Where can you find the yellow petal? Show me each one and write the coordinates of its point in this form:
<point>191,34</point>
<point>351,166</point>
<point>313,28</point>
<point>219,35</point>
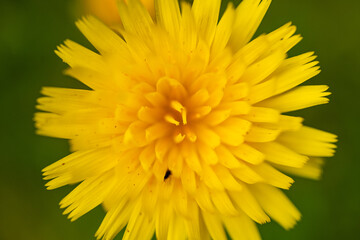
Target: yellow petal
<point>138,225</point>
<point>241,227</point>
<point>226,157</point>
<point>260,134</point>
<point>156,99</point>
<point>106,42</point>
<point>170,87</point>
<point>226,178</point>
<point>232,131</point>
<point>89,194</point>
<point>147,157</point>
<point>156,131</point>
<point>167,188</point>
<point>93,78</point>
<point>162,146</point>
<point>135,134</point>
<point>181,201</point>
<point>290,123</point>
<point>272,176</point>
<point>192,225</point>
<point>223,203</point>
<point>211,179</point>
<point>245,200</point>
<point>246,56</point>
<point>292,73</point>
<point>247,174</point>
<point>90,141</point>
<point>149,115</point>
<point>214,226</point>
<point>216,117</point>
<point>144,228</point>
<point>54,125</point>
<point>168,15</point>
<point>312,169</point>
<point>159,169</point>
<point>207,154</point>
<point>175,162</point>
<point>203,199</point>
<point>310,141</point>
<point>141,27</point>
<point>191,156</point>
<point>236,107</point>
<point>188,179</point>
<point>123,114</point>
<point>150,196</point>
<point>176,228</point>
<point>261,69</point>
<point>279,154</point>
<point>188,32</point>
<point>283,38</point>
<point>207,135</point>
<point>299,98</point>
<point>276,204</point>
<point>199,98</point>
<point>206,16</point>
<point>248,17</point>
<point>162,219</point>
<point>248,154</point>
<point>115,220</point>
<point>236,92</point>
<point>70,169</point>
<point>215,98</point>
<point>110,126</point>
<point>223,30</point>
<point>260,114</point>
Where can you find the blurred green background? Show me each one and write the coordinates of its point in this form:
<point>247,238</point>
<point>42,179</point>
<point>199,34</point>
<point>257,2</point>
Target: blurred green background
<point>30,31</point>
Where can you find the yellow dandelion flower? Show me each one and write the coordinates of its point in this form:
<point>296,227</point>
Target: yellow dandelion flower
<point>107,11</point>
<point>183,132</point>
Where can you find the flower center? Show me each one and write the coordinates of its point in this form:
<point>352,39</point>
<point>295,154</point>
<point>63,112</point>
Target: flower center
<point>177,116</point>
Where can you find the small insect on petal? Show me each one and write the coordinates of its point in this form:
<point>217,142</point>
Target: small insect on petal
<point>167,174</point>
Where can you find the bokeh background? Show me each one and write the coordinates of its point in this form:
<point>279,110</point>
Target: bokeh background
<point>30,31</point>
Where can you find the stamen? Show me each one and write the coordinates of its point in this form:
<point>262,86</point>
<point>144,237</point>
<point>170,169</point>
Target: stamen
<point>179,138</point>
<point>190,134</point>
<point>181,109</point>
<point>177,106</point>
<point>184,116</point>
<point>172,120</point>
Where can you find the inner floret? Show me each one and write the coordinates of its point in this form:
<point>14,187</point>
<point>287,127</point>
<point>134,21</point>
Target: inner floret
<point>177,115</point>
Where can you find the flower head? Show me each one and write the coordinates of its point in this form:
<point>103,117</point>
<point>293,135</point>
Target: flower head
<point>182,132</point>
